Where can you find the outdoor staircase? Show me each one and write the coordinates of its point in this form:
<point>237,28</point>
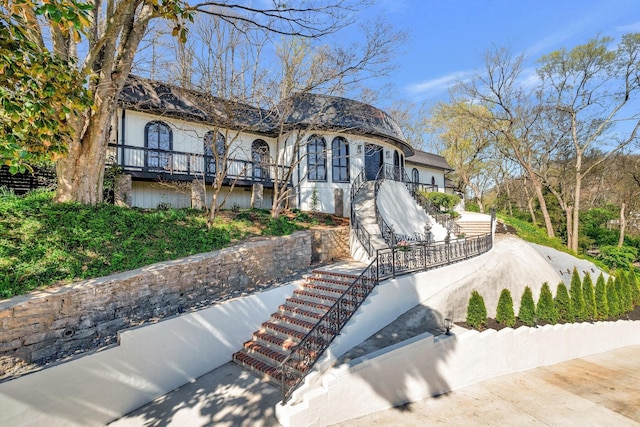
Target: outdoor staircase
<point>364,205</point>
<point>472,225</point>
<point>270,345</point>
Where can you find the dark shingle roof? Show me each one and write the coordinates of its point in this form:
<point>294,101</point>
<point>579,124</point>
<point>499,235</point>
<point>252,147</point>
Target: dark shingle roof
<point>166,100</point>
<point>310,111</point>
<point>324,112</point>
<point>423,158</point>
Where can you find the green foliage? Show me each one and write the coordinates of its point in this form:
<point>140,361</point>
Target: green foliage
<point>624,292</point>
<point>315,199</point>
<point>546,308</point>
<point>527,312</point>
<point>602,304</point>
<point>39,91</point>
<point>563,304</point>
<point>504,311</point>
<point>476,311</point>
<point>619,257</point>
<point>443,200</point>
<point>589,295</point>
<point>613,299</point>
<point>635,287</point>
<point>533,234</point>
<point>577,298</point>
<point>281,226</point>
<point>43,243</point>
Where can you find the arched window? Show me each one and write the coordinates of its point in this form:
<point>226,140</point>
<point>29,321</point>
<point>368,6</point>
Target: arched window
<point>260,157</point>
<point>316,158</point>
<point>210,160</point>
<point>340,159</point>
<point>158,140</point>
<point>415,176</point>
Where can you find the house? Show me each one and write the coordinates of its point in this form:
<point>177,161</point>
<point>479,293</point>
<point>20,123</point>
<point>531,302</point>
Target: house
<point>168,141</point>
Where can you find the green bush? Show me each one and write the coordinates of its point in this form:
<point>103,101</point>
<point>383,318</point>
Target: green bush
<point>613,299</point>
<point>476,311</point>
<point>602,304</point>
<point>635,287</point>
<point>527,312</point>
<point>576,297</point>
<point>504,311</point>
<point>589,297</point>
<point>443,200</point>
<point>619,257</point>
<point>546,308</point>
<point>563,304</point>
<point>626,295</point>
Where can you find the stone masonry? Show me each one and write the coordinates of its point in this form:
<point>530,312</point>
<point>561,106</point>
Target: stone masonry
<point>48,325</point>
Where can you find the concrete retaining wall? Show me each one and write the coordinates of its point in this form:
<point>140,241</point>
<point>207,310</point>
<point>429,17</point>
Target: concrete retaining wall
<point>58,322</point>
<point>426,366</point>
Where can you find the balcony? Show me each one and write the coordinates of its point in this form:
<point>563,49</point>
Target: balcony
<point>169,165</point>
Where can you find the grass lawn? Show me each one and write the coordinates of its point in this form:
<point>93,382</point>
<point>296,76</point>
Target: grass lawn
<point>45,244</point>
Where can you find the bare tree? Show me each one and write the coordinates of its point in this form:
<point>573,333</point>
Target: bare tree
<point>590,86</point>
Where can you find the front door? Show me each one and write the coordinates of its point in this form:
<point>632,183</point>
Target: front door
<point>372,160</point>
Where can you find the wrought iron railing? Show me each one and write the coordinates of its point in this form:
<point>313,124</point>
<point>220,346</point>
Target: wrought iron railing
<point>361,233</point>
<point>178,163</point>
<point>391,262</point>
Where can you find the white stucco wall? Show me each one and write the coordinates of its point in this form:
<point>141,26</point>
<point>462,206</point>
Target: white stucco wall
<point>426,173</point>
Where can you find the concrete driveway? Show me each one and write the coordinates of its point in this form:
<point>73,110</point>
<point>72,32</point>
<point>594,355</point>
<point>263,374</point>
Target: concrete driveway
<point>599,390</point>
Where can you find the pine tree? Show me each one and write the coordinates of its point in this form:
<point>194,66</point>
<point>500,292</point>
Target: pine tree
<point>546,308</point>
<point>613,298</point>
<point>602,306</point>
<point>504,311</point>
<point>563,304</point>
<point>577,298</point>
<point>589,297</point>
<point>527,312</point>
<point>635,287</point>
<point>476,311</point>
<point>626,297</point>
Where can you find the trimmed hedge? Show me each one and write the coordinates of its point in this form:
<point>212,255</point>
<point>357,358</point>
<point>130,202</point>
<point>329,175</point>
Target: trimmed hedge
<point>527,312</point>
<point>563,304</point>
<point>476,311</point>
<point>504,311</point>
<point>546,308</point>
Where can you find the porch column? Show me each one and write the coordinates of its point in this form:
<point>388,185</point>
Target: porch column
<point>338,201</point>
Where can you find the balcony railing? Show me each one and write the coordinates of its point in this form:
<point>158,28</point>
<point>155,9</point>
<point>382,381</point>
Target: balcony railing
<point>184,165</point>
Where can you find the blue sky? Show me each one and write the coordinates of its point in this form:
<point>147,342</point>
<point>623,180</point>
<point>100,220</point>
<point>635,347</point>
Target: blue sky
<point>447,38</point>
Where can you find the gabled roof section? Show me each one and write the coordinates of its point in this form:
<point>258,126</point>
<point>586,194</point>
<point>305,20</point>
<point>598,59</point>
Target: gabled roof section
<point>163,99</point>
<point>324,112</point>
<point>422,158</point>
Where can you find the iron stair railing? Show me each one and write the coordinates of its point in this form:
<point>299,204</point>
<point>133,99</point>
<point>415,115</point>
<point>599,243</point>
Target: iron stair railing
<point>390,262</point>
<point>361,233</point>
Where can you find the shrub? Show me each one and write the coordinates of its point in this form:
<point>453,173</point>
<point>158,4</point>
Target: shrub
<point>626,297</point>
<point>618,257</point>
<point>613,298</point>
<point>602,305</point>
<point>563,304</point>
<point>577,298</point>
<point>443,200</point>
<point>589,297</point>
<point>527,312</point>
<point>504,312</point>
<point>635,287</point>
<point>476,311</point>
<point>546,308</point>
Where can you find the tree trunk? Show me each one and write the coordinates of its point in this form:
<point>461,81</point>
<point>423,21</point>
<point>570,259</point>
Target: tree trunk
<point>623,225</point>
<point>543,207</point>
<point>568,212</point>
<point>576,213</point>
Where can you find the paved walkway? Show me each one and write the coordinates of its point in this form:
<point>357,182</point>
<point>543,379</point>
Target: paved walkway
<point>599,390</point>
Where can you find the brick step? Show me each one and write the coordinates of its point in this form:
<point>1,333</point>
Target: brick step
<point>293,322</point>
<point>325,281</point>
<point>320,298</point>
<point>297,311</point>
<point>330,289</point>
<point>283,331</point>
<point>259,367</point>
<point>308,305</point>
<point>273,341</point>
<point>335,275</point>
<point>261,352</point>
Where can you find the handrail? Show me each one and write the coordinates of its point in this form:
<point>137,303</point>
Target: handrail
<point>391,262</point>
<point>362,234</point>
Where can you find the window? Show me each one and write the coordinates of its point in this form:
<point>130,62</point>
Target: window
<point>340,159</point>
<point>210,159</point>
<point>158,140</point>
<point>316,158</point>
<point>260,157</point>
<point>415,176</point>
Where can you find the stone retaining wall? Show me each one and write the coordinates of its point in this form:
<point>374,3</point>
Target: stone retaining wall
<point>48,325</point>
